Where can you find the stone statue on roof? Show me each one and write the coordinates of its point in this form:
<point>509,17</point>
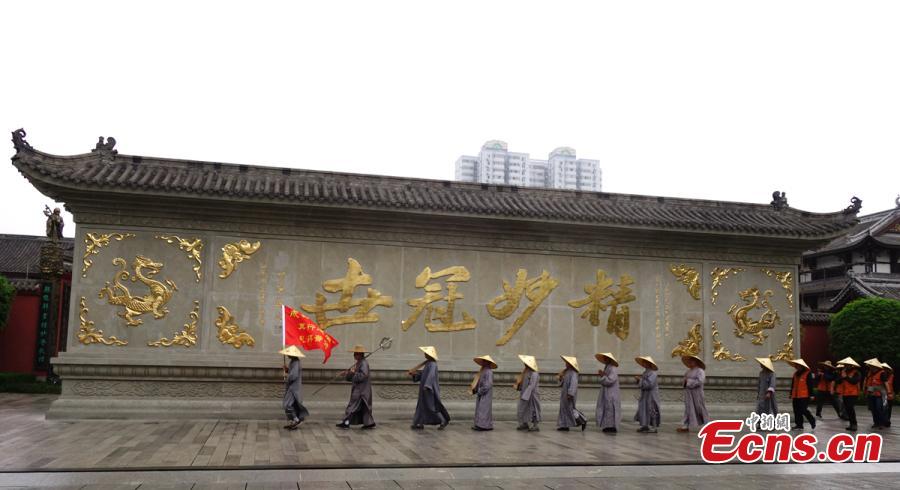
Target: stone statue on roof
<point>55,223</point>
<point>779,200</point>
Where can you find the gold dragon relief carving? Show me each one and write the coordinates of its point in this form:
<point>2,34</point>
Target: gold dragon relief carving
<point>94,242</point>
<point>153,302</point>
<point>87,334</point>
<point>744,324</point>
<point>689,276</point>
<point>690,345</point>
<point>229,332</point>
<point>718,276</point>
<point>194,249</point>
<point>787,349</point>
<point>187,337</point>
<point>235,253</point>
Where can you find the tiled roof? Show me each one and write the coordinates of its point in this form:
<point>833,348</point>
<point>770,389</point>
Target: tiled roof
<point>104,170</point>
<point>870,227</point>
<point>868,286</point>
<point>21,254</point>
<point>815,317</point>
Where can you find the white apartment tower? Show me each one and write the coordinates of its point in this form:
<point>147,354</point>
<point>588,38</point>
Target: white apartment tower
<point>495,164</point>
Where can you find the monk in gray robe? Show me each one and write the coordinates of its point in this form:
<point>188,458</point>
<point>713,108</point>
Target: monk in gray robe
<point>569,416</point>
<point>359,410</point>
<point>429,409</point>
<point>293,386</point>
<point>483,388</point>
<point>528,411</point>
<point>765,388</point>
<point>695,414</point>
<point>609,406</point>
<point>648,415</point>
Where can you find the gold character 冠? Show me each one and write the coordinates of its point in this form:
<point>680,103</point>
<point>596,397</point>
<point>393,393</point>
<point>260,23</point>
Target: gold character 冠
<point>688,276</point>
<point>354,278</point>
<point>229,332</point>
<point>87,334</point>
<point>787,283</point>
<point>186,337</point>
<point>720,353</point>
<point>439,318</point>
<point>690,346</point>
<point>153,302</point>
<point>718,275</point>
<point>601,296</point>
<point>233,253</point>
<point>536,290</point>
<point>93,242</point>
<point>786,352</point>
<point>193,248</point>
<point>741,316</point>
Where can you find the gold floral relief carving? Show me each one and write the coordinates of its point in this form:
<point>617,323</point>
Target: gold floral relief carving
<point>188,336</point>
<point>234,253</point>
<point>688,276</point>
<point>93,242</point>
<point>690,346</point>
<point>193,248</point>
<point>787,283</point>
<point>229,332</point>
<point>153,302</point>
<point>744,324</point>
<point>787,349</point>
<point>720,353</point>
<point>87,334</point>
<point>718,275</point>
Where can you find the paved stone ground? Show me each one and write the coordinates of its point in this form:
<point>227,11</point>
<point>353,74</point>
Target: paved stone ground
<point>28,442</point>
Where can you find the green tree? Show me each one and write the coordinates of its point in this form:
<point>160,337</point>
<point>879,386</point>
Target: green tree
<point>866,328</point>
<point>7,291</point>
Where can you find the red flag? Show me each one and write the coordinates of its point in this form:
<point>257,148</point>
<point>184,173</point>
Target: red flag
<point>299,329</point>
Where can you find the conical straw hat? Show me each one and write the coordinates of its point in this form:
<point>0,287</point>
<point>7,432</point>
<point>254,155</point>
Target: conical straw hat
<point>699,361</point>
<point>766,363</point>
<point>827,364</point>
<point>607,358</point>
<point>848,361</point>
<point>481,360</point>
<point>798,363</point>
<point>647,362</point>
<point>887,366</point>
<point>292,351</point>
<point>358,348</point>
<point>572,361</point>
<point>874,362</point>
<point>429,351</point>
<point>529,361</point>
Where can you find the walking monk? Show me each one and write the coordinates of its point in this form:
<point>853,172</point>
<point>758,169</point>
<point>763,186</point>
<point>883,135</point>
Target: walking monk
<point>695,414</point>
<point>483,388</point>
<point>429,409</point>
<point>648,415</point>
<point>609,406</point>
<point>293,386</point>
<point>528,411</point>
<point>765,388</point>
<point>359,410</point>
<point>569,416</point>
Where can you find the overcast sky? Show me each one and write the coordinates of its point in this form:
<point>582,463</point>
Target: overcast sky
<point>704,99</point>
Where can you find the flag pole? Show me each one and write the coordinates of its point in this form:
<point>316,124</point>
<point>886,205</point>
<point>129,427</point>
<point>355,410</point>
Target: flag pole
<point>283,357</point>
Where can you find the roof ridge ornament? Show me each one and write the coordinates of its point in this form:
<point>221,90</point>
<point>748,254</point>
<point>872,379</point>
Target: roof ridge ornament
<point>854,207</point>
<point>18,139</point>
<point>897,201</point>
<point>106,146</point>
<point>779,200</point>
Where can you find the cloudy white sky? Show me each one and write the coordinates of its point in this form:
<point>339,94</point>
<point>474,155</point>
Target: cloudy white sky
<point>707,99</point>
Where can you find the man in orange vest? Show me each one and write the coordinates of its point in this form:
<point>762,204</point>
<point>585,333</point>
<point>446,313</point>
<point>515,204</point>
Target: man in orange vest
<point>848,380</point>
<point>876,393</point>
<point>889,384</point>
<point>825,387</point>
<point>801,393</point>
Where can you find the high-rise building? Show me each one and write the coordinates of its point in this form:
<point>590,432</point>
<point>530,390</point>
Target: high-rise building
<point>495,164</point>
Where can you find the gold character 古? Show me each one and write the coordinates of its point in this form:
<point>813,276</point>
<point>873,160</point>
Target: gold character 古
<point>601,296</point>
<point>354,278</point>
<point>439,318</point>
<point>536,290</point>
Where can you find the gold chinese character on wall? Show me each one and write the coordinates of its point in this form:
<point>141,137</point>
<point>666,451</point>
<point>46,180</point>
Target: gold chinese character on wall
<point>601,296</point>
<point>535,289</point>
<point>439,318</point>
<point>354,278</point>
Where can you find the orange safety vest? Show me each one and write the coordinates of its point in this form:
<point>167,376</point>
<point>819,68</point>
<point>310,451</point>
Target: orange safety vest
<point>872,378</point>
<point>822,387</point>
<point>847,388</point>
<point>889,384</point>
<point>799,388</point>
